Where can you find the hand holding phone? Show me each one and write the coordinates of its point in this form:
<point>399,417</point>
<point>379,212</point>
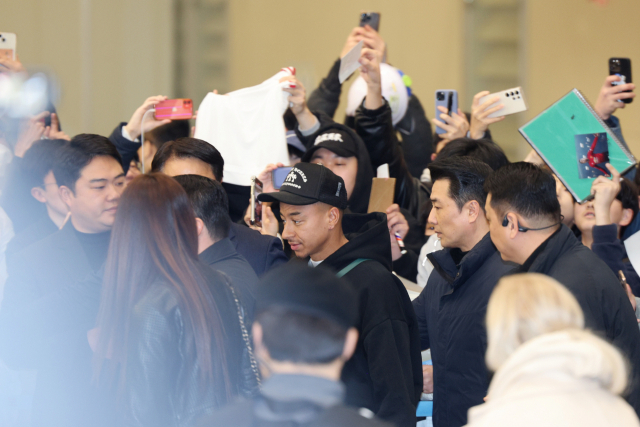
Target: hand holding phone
<point>256,205</point>
<point>8,46</point>
<point>279,175</point>
<point>611,96</point>
<point>447,104</point>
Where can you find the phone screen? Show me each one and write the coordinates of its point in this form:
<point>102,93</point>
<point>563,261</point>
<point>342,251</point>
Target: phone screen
<point>174,109</point>
<point>279,175</point>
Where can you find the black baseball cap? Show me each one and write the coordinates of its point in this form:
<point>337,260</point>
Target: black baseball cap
<point>336,138</point>
<point>306,290</point>
<point>309,183</point>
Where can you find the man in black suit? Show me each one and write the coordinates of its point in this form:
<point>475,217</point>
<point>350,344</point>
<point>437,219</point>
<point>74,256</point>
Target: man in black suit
<point>211,207</point>
<point>91,180</point>
<point>191,156</point>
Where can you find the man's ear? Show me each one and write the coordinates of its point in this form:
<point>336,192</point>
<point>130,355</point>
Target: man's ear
<point>333,217</point>
<point>200,226</point>
<point>627,217</point>
<point>350,343</point>
<point>66,195</point>
<point>38,194</point>
<point>473,208</point>
<point>512,226</point>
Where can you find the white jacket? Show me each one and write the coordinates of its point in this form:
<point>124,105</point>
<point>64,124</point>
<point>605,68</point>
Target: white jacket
<point>558,379</point>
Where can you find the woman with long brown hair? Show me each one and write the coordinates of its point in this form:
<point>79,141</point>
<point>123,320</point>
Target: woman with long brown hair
<point>167,328</point>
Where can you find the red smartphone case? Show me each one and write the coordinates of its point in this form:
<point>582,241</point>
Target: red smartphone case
<point>174,109</point>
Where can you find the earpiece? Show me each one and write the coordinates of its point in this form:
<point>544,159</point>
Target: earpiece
<point>505,221</point>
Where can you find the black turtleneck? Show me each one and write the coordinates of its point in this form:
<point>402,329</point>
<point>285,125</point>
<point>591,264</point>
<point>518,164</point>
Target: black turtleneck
<point>95,246</point>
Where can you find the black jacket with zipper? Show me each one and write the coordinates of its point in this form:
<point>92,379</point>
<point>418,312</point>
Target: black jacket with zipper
<point>451,310</point>
<point>385,373</point>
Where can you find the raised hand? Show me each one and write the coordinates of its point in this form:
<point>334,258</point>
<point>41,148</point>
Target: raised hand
<point>610,95</point>
<point>605,192</point>
<point>479,114</point>
<point>455,125</point>
<point>135,125</point>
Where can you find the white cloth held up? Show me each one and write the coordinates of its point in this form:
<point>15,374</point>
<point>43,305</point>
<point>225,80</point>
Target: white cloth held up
<point>246,126</point>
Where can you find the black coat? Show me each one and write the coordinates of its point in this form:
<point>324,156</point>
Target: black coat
<point>604,302</point>
<point>261,252</point>
<point>63,394</point>
<point>385,373</point>
<point>222,257</point>
<point>30,235</point>
<point>451,313</point>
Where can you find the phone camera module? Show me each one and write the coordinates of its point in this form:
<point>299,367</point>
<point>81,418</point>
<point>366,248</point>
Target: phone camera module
<point>506,94</point>
<point>440,96</point>
<point>517,93</point>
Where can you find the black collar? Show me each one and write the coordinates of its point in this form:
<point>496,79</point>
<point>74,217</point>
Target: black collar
<point>217,252</point>
<point>532,258</point>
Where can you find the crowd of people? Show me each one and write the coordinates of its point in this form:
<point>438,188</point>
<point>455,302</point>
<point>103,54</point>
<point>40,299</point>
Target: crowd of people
<point>149,298</point>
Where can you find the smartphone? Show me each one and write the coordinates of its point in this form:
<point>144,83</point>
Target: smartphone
<point>371,19</point>
<point>174,109</point>
<point>621,67</point>
<point>256,205</point>
<point>512,99</point>
<point>279,175</point>
<point>8,45</point>
<point>447,98</point>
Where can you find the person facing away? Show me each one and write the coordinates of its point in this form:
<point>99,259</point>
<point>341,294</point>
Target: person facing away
<point>451,307</point>
<point>38,180</point>
<point>168,337</point>
<point>549,370</point>
<point>384,373</point>
<point>211,206</point>
<point>191,156</point>
<point>526,227</point>
<point>304,333</point>
<point>91,180</point>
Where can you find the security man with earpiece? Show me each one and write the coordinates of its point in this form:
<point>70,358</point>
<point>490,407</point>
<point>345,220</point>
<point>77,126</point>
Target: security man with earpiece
<point>452,306</point>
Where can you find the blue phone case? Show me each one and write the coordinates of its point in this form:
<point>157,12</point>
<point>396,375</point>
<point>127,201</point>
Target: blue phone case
<point>450,102</point>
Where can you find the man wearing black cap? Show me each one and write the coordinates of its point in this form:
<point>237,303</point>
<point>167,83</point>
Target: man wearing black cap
<point>303,335</point>
<point>384,374</point>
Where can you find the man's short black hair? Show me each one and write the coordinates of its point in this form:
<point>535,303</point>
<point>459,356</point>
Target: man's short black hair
<point>300,338</point>
<point>210,203</point>
<point>38,161</point>
<point>78,153</point>
<point>525,188</point>
<point>169,132</point>
<point>628,196</point>
<point>484,150</point>
<point>466,178</point>
<point>190,148</point>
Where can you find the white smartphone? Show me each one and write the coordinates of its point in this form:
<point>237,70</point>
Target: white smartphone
<point>8,45</point>
<point>512,99</point>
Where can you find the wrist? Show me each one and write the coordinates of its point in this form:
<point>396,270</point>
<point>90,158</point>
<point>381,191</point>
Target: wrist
<point>603,114</point>
<point>476,133</point>
<point>602,216</point>
<point>373,100</point>
<point>306,119</point>
<point>133,133</point>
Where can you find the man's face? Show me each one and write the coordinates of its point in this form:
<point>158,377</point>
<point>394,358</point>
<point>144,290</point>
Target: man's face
<point>345,167</point>
<point>450,223</point>
<point>94,202</point>
<point>51,195</point>
<point>585,215</point>
<point>305,227</point>
<point>176,166</point>
<point>499,234</point>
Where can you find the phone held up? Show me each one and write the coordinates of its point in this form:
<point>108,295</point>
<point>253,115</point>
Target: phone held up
<point>447,98</point>
<point>621,67</point>
<point>8,46</point>
<point>174,109</point>
<point>511,99</point>
<point>371,19</point>
<point>256,205</point>
<point>279,175</point>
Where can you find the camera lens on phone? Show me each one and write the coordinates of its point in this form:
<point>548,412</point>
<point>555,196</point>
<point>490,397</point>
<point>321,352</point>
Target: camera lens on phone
<point>440,96</point>
<point>506,94</point>
<point>517,93</point>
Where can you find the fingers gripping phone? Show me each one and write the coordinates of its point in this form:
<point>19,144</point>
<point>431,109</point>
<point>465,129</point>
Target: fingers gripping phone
<point>174,109</point>
<point>511,99</point>
<point>256,205</point>
<point>8,46</point>
<point>447,98</point>
<point>371,19</point>
<point>279,175</point>
<point>621,67</point>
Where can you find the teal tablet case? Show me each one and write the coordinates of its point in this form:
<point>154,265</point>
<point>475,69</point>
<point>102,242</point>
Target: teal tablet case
<point>566,132</point>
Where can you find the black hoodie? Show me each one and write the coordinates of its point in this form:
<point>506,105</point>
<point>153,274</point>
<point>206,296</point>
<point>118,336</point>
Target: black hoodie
<point>385,372</point>
<point>359,199</point>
